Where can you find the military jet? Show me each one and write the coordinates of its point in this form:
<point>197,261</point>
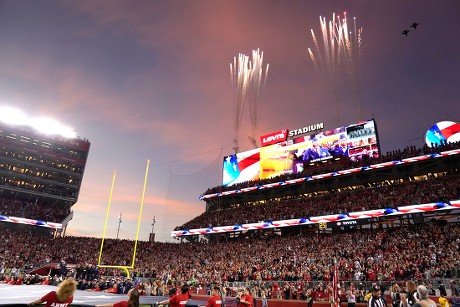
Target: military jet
<point>405,32</point>
<point>414,25</point>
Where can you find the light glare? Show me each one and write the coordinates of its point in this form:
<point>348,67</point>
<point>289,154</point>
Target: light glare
<point>46,125</point>
<point>12,116</point>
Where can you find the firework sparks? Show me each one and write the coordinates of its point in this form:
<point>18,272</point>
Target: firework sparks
<point>341,51</point>
<point>240,74</point>
<point>248,81</point>
<point>257,82</point>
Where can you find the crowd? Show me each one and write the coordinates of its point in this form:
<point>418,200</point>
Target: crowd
<point>48,212</point>
<point>294,266</point>
<point>345,200</point>
<point>365,255</point>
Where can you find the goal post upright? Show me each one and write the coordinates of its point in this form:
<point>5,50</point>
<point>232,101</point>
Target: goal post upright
<point>140,212</point>
<point>107,216</point>
<point>124,267</point>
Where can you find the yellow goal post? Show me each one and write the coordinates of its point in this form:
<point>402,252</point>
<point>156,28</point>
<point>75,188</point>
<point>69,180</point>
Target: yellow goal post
<point>123,267</point>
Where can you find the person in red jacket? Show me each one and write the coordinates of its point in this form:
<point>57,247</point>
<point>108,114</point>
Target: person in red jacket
<point>133,300</point>
<point>246,299</point>
<point>215,300</point>
<point>63,296</point>
<point>178,300</point>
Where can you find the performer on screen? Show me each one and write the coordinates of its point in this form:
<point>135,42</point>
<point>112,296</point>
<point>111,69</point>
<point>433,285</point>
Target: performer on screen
<point>340,148</point>
<point>315,151</point>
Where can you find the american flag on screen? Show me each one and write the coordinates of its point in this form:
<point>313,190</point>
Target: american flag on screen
<point>241,167</point>
<point>443,131</point>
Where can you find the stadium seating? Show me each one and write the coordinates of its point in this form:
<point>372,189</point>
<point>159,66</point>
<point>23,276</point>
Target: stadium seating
<point>427,252</point>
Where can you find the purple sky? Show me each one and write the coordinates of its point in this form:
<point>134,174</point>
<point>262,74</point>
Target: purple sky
<point>150,80</point>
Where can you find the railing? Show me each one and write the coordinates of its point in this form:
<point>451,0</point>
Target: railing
<point>365,286</point>
<point>432,284</point>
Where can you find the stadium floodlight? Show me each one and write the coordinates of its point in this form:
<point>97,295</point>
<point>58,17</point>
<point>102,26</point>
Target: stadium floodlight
<point>46,125</point>
<point>12,116</point>
<point>68,132</point>
<point>51,126</point>
<point>43,125</point>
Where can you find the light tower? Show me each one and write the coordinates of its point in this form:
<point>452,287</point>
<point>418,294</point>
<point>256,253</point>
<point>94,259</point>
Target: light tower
<point>152,234</point>
<point>119,223</point>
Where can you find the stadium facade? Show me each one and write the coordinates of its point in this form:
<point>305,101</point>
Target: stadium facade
<point>40,176</point>
<point>362,166</point>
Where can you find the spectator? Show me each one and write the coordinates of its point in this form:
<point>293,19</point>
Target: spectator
<point>443,302</point>
<point>424,301</point>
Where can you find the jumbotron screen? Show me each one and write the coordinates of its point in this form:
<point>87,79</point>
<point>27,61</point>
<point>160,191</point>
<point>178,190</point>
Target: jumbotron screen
<point>355,142</point>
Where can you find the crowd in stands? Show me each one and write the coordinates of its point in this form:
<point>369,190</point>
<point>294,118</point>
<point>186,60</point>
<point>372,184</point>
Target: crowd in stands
<point>48,212</point>
<point>334,202</point>
<point>372,255</point>
<point>292,263</point>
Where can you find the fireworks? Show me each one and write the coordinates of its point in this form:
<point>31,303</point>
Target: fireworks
<point>248,80</point>
<point>341,51</point>
<point>257,83</point>
<point>240,73</point>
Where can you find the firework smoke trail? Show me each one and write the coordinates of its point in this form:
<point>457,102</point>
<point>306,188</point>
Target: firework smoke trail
<point>329,52</point>
<point>351,57</point>
<point>257,82</point>
<point>341,51</point>
<point>240,74</point>
<point>357,51</point>
<point>317,47</point>
<point>313,59</point>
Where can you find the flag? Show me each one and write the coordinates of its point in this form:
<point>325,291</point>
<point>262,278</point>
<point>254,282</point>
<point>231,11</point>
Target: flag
<point>335,284</point>
<point>445,131</point>
<point>241,167</point>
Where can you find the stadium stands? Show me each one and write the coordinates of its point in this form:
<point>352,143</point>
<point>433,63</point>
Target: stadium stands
<point>386,195</point>
<point>425,250</point>
<point>372,255</point>
<point>46,211</point>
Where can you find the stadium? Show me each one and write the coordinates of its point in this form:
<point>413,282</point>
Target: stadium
<point>289,227</point>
